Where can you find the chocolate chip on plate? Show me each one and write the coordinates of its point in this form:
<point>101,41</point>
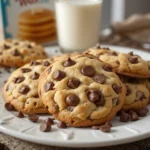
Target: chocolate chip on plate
<point>24,89</point>
<point>35,76</point>
<point>72,100</point>
<point>133,115</point>
<point>117,88</point>
<point>73,83</point>
<point>88,71</point>
<point>100,78</point>
<point>105,128</point>
<point>9,107</point>
<point>46,63</point>
<point>59,75</point>
<point>140,96</point>
<point>19,79</point>
<point>15,53</point>
<point>44,127</point>
<point>20,114</point>
<point>98,46</point>
<point>107,68</point>
<point>108,123</point>
<point>96,127</point>
<point>69,62</point>
<point>49,121</point>
<point>49,86</point>
<point>133,60</point>
<point>124,117</point>
<point>33,117</point>
<point>61,125</point>
<point>142,112</point>
<point>25,70</point>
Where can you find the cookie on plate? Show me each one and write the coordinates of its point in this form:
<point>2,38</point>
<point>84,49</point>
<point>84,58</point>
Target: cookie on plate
<point>21,89</point>
<point>16,53</point>
<point>137,94</point>
<point>126,64</point>
<point>81,91</point>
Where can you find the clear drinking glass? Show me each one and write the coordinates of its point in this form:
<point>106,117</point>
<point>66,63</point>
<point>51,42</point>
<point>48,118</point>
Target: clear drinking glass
<point>78,23</point>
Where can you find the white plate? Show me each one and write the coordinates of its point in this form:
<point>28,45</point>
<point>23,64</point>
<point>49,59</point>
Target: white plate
<point>74,137</point>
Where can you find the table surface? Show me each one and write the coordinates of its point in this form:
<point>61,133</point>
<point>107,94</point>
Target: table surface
<point>16,144</point>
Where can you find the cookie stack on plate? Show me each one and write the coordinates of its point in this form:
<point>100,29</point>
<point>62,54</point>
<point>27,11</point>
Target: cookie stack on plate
<point>37,25</point>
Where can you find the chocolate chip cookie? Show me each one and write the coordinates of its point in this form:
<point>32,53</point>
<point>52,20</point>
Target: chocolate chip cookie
<point>126,64</point>
<point>137,93</point>
<point>21,89</point>
<point>81,91</point>
<point>16,53</point>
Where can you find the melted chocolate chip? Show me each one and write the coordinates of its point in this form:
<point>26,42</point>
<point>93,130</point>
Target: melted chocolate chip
<point>35,76</point>
<point>33,117</point>
<point>20,115</point>
<point>73,83</point>
<point>140,96</point>
<point>46,63</point>
<point>88,71</point>
<point>117,88</point>
<point>61,125</point>
<point>100,78</point>
<point>107,68</point>
<point>24,89</point>
<point>25,70</point>
<point>128,92</point>
<point>133,60</point>
<point>133,115</point>
<point>34,63</point>
<point>19,79</point>
<point>72,100</point>
<point>124,117</point>
<point>69,62</point>
<point>44,127</point>
<point>5,47</point>
<point>49,121</point>
<point>105,128</point>
<point>59,75</point>
<point>49,86</point>
<point>15,53</point>
<point>9,107</point>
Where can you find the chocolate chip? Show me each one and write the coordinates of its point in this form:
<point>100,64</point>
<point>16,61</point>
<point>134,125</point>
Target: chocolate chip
<point>70,108</point>
<point>15,53</point>
<point>69,62</point>
<point>34,63</point>
<point>117,62</point>
<point>5,47</point>
<point>124,117</point>
<point>117,88</point>
<point>35,76</point>
<point>105,128</point>
<point>106,48</point>
<point>20,115</point>
<point>96,127</point>
<point>98,46</point>
<point>9,107</point>
<point>108,123</point>
<point>36,96</point>
<point>133,60</point>
<point>73,83</point>
<point>19,79</point>
<point>93,95</point>
<point>107,68</point>
<point>25,70</point>
<point>101,101</point>
<point>24,89</point>
<point>72,100</point>
<point>128,92</point>
<point>46,63</point>
<point>33,117</point>
<point>115,101</point>
<point>29,46</point>
<point>59,75</point>
<point>49,86</point>
<point>146,109</point>
<point>49,121</point>
<point>113,54</point>
<point>131,54</point>
<point>44,127</point>
<point>62,125</point>
<point>88,71</point>
<point>133,115</point>
<point>142,112</point>
<point>100,78</point>
<point>140,96</point>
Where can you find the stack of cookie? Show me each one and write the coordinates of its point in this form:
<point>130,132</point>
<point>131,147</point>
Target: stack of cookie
<point>37,25</point>
<point>80,90</point>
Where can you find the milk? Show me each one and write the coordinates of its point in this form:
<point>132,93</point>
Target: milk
<point>78,23</point>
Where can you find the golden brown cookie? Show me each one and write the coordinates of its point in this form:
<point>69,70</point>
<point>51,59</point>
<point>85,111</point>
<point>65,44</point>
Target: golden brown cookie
<point>16,53</point>
<point>81,91</point>
<point>126,64</point>
<point>21,89</point>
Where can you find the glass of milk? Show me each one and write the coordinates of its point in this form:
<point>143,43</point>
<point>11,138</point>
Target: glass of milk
<point>78,23</point>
